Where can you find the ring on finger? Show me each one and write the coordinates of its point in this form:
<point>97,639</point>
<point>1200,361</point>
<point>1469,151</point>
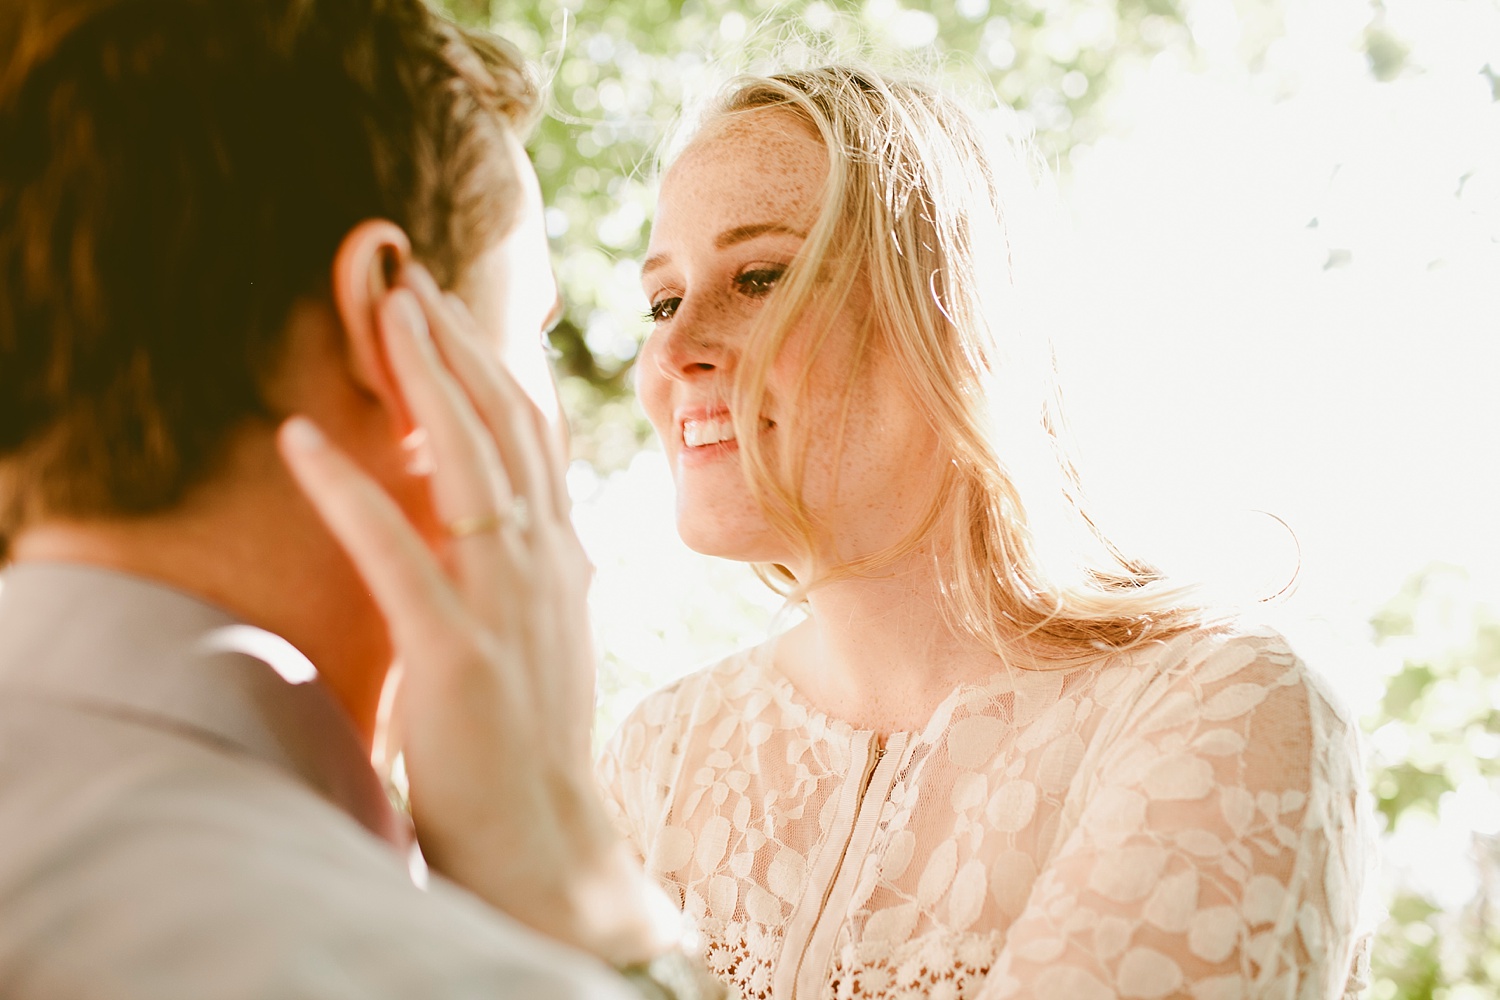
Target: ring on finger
<point>519,516</point>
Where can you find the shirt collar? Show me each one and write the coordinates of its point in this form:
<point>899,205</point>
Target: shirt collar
<point>110,642</point>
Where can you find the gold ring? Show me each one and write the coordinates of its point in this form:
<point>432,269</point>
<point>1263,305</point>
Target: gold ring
<point>476,524</point>
<point>479,524</point>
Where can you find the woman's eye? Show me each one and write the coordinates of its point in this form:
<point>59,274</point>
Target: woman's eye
<point>758,281</point>
<point>662,309</point>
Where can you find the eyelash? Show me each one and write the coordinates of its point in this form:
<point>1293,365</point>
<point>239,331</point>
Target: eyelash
<point>760,279</point>
<point>659,311</point>
<point>755,283</point>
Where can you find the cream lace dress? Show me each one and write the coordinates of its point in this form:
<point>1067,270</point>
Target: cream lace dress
<point>1179,820</point>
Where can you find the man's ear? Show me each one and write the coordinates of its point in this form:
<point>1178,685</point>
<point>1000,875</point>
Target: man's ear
<point>365,267</point>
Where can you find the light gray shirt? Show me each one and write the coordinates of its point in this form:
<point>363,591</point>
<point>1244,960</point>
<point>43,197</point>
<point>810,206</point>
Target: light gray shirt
<point>186,813</point>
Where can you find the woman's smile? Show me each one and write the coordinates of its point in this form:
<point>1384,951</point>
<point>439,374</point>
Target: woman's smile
<point>707,436</point>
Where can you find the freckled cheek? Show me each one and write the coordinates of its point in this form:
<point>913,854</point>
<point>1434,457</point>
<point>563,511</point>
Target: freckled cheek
<point>828,380</point>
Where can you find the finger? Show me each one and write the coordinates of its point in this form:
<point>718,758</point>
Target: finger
<point>469,481</point>
<point>418,603</point>
<point>522,430</point>
<point>499,401</point>
<point>502,405</point>
<point>552,434</point>
<point>468,475</point>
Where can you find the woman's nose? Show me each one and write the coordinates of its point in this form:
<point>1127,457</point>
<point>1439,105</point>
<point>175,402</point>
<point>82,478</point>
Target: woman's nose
<point>692,346</point>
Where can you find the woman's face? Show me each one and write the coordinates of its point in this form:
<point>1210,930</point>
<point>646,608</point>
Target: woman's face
<point>734,210</point>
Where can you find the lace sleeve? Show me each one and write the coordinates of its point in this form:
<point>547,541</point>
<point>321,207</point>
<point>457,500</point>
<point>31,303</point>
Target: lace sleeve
<point>1217,852</point>
<point>613,772</point>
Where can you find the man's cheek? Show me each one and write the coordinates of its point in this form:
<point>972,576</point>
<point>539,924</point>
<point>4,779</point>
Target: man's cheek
<point>526,359</point>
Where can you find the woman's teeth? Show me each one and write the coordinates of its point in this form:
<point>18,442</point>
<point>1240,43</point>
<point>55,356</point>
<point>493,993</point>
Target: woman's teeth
<point>699,433</point>
<point>715,430</point>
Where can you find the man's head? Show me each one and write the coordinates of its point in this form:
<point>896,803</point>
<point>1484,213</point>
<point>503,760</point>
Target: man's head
<point>176,176</point>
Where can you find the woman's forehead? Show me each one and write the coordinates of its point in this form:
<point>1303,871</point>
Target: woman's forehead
<point>763,162</point>
<point>764,127</point>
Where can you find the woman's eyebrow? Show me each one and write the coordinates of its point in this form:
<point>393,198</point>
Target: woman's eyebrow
<point>729,238</point>
<point>653,262</point>
<point>740,234</point>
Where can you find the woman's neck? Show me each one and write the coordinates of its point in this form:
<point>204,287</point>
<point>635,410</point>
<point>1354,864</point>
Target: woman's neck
<point>878,652</point>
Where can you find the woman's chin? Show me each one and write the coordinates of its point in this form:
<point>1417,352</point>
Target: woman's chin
<point>751,543</point>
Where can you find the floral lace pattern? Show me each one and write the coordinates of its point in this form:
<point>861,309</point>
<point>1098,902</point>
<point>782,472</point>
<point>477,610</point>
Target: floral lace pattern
<point>1180,820</point>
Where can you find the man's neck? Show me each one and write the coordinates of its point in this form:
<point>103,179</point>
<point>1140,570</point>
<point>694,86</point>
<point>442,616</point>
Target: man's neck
<point>256,549</point>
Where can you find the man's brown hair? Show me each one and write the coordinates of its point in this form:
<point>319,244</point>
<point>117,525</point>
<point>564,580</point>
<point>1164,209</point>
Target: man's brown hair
<point>174,174</point>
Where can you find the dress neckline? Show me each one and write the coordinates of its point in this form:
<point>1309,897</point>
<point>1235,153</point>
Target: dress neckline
<point>761,659</point>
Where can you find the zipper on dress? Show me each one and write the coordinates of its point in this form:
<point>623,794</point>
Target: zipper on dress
<point>872,762</point>
<point>870,767</point>
<point>812,942</point>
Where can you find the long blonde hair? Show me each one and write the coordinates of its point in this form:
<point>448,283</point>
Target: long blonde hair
<point>913,206</point>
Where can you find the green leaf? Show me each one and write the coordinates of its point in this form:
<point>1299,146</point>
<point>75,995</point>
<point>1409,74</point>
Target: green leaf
<point>1404,690</point>
<point>1405,786</point>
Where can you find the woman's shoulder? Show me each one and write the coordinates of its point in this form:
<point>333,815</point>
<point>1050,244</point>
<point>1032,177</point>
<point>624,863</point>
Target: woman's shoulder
<point>1236,674</point>
<point>1232,641</point>
<point>1230,653</point>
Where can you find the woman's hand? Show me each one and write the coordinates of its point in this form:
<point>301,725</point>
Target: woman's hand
<point>492,634</point>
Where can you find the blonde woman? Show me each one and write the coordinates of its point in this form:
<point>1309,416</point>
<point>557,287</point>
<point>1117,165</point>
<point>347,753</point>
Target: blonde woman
<point>998,758</point>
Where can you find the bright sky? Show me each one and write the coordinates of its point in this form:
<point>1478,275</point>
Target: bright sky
<point>1283,304</point>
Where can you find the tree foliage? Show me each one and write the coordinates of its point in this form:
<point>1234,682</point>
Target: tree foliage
<point>620,74</point>
<point>1436,770</point>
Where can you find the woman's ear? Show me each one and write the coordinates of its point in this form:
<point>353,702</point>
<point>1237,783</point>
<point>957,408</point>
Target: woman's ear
<point>365,270</point>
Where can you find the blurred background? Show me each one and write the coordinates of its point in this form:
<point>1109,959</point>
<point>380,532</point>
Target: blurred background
<point>1271,231</point>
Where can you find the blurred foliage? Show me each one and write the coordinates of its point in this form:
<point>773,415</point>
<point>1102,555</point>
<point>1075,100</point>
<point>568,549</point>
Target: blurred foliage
<point>1436,779</point>
<point>619,75</point>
